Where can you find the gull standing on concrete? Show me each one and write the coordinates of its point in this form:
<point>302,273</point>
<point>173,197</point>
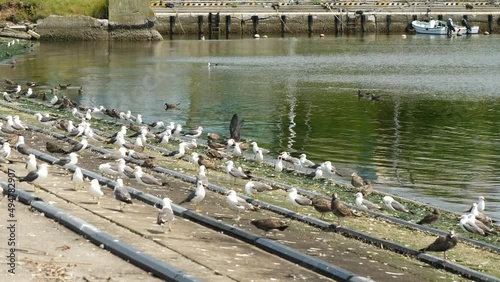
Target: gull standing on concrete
<point>121,194</point>
<point>238,204</point>
<point>5,151</point>
<point>77,178</point>
<point>95,190</point>
<point>21,147</point>
<point>322,206</point>
<point>31,163</point>
<point>196,196</point>
<point>177,154</point>
<point>34,177</point>
<point>202,176</point>
<point>165,215</point>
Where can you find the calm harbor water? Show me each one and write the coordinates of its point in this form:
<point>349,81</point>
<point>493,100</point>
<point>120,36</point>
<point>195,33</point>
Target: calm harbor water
<point>434,136</point>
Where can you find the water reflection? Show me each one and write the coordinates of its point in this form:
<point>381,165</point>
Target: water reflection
<point>433,136</point>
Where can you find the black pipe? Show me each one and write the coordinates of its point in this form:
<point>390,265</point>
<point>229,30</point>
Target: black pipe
<point>128,253</point>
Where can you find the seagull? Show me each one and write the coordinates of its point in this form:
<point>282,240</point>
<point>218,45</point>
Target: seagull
<point>138,119</point>
<point>95,190</point>
<point>6,150</point>
<point>480,216</point>
<point>317,174</point>
<point>196,196</point>
<point>194,133</point>
<point>6,97</point>
<point>286,157</point>
<point>138,156</point>
<point>259,157</point>
<point>77,178</point>
<point>394,205</point>
<point>31,163</point>
<point>145,179</point>
<point>124,170</point>
<point>165,215</point>
<point>191,144</point>
<point>36,176</point>
<point>80,146</point>
<point>76,114</point>
<point>339,209</point>
<point>235,173</point>
<point>47,120</point>
<point>365,205</point>
<point>202,176</point>
<point>253,187</point>
<point>270,224</point>
<point>236,203</point>
<point>21,147</point>
<point>177,154</point>
<point>357,181</point>
<point>121,193</point>
<point>108,169</point>
<point>328,169</point>
<point>298,200</point>
<point>470,226</point>
<point>430,218</point>
<point>278,166</point>
<point>304,162</point>
<point>157,124</point>
<point>256,148</point>
<point>322,206</point>
<point>72,159</point>
<point>18,123</point>
<point>481,204</point>
<point>442,244</point>
<point>486,229</point>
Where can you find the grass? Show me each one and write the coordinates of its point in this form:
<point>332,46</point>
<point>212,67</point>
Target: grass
<point>32,10</point>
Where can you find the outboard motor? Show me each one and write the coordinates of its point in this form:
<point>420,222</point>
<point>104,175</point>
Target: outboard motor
<point>449,24</point>
<point>466,24</point>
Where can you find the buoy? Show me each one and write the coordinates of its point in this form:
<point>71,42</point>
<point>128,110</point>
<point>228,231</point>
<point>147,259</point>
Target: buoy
<point>486,33</point>
<point>322,35</point>
<point>459,33</point>
<point>404,35</point>
<point>256,35</point>
<point>264,36</point>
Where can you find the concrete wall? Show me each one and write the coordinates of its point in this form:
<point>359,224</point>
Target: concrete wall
<point>327,23</point>
<point>131,13</point>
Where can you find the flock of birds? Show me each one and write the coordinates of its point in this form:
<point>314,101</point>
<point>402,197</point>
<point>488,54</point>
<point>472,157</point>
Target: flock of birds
<point>218,148</point>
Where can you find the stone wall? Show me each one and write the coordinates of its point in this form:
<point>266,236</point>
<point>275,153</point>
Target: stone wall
<point>327,23</point>
<point>129,20</point>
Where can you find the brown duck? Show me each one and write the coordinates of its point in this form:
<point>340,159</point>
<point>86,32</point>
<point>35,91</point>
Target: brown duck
<point>208,164</point>
<point>339,209</point>
<point>430,218</point>
<point>442,244</point>
<point>55,148</point>
<point>357,181</point>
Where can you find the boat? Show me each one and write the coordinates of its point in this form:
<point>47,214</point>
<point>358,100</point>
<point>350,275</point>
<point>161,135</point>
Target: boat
<point>439,27</point>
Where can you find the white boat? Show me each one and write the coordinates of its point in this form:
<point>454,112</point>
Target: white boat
<point>439,28</point>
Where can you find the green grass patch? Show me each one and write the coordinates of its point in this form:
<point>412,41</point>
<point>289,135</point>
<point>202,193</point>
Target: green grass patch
<point>32,10</point>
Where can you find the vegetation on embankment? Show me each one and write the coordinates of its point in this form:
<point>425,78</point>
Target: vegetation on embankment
<point>32,10</point>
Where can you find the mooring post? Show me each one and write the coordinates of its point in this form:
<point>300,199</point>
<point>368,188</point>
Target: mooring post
<point>336,24</point>
<point>255,21</point>
<point>228,26</point>
<point>200,27</point>
<point>363,22</point>
<point>440,17</point>
<point>283,24</point>
<point>210,25</point>
<point>310,24</point>
<point>172,24</point>
<point>217,23</point>
<point>414,18</point>
<point>490,23</point>
<point>388,23</point>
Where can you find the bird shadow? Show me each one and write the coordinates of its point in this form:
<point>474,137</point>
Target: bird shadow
<point>88,203</point>
<point>116,210</point>
<point>153,231</point>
